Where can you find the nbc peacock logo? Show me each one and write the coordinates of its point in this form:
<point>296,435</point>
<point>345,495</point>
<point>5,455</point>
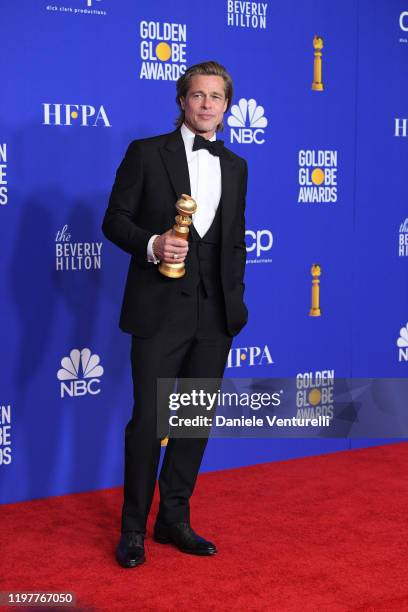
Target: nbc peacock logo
<point>402,344</point>
<point>80,373</point>
<point>247,122</point>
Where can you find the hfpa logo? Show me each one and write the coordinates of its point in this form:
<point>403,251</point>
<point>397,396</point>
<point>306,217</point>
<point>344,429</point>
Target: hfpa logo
<point>249,120</point>
<point>68,114</point>
<point>81,370</point>
<point>249,356</point>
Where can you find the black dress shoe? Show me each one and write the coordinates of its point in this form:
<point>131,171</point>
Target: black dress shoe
<point>182,536</point>
<point>130,550</point>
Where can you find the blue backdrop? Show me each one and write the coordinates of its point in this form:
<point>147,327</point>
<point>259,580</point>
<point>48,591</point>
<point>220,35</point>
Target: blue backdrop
<point>80,79</point>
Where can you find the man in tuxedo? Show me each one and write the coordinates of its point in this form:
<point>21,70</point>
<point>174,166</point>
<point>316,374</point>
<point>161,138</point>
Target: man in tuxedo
<point>180,327</point>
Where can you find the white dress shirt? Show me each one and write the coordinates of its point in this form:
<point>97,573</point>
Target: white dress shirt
<point>205,182</point>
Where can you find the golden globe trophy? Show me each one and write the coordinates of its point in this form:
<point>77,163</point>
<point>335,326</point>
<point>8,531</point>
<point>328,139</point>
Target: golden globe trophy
<point>186,207</point>
<point>317,84</point>
<point>315,309</point>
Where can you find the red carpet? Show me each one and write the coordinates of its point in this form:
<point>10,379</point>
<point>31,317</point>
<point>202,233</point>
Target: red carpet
<point>320,533</point>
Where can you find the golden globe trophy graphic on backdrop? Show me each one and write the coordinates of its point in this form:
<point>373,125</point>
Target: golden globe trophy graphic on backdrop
<point>186,207</point>
<point>315,309</point>
<point>317,84</point>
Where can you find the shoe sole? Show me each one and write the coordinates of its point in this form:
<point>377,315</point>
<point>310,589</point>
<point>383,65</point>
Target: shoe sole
<point>131,565</point>
<point>166,540</point>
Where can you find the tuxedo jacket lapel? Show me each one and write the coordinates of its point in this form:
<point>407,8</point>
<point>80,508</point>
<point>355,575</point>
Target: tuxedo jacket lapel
<point>175,160</point>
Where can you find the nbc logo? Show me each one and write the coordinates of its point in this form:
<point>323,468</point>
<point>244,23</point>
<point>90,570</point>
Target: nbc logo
<point>249,122</point>
<point>249,356</point>
<point>80,373</point>
<point>402,344</point>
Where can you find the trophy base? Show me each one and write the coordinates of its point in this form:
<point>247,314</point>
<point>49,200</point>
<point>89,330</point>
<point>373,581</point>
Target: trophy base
<point>317,86</point>
<point>315,312</point>
<point>176,270</point>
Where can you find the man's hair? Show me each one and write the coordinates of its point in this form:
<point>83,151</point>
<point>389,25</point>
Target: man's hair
<point>208,69</point>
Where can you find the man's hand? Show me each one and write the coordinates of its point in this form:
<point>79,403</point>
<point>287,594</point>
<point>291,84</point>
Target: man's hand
<point>169,248</point>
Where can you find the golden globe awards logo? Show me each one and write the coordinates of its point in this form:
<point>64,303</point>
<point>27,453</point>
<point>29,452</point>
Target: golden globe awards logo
<point>403,239</point>
<point>163,49</point>
<point>317,176</point>
<point>5,435</point>
<point>3,174</point>
<point>315,394</point>
<point>247,14</point>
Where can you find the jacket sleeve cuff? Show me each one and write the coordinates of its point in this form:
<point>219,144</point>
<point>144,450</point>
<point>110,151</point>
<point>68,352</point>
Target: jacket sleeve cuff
<point>150,255</point>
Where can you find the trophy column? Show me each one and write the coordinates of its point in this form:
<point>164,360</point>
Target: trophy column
<point>315,309</point>
<point>317,84</point>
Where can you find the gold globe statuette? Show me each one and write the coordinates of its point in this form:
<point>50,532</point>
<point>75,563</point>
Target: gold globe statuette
<point>317,84</point>
<point>186,206</point>
<point>315,309</point>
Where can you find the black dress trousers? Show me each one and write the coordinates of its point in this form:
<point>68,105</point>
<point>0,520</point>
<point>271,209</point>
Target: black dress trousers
<point>191,343</point>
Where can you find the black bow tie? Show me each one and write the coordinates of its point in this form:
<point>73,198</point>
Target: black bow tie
<point>214,147</point>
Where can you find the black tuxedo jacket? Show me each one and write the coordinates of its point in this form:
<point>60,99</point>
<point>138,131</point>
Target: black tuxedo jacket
<point>150,179</point>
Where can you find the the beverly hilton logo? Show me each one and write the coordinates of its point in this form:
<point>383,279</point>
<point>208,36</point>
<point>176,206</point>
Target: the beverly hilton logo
<point>80,373</point>
<point>403,239</point>
<point>247,122</point>
<point>402,344</point>
<point>163,50</point>
<point>247,14</point>
<point>70,255</point>
<point>317,176</point>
